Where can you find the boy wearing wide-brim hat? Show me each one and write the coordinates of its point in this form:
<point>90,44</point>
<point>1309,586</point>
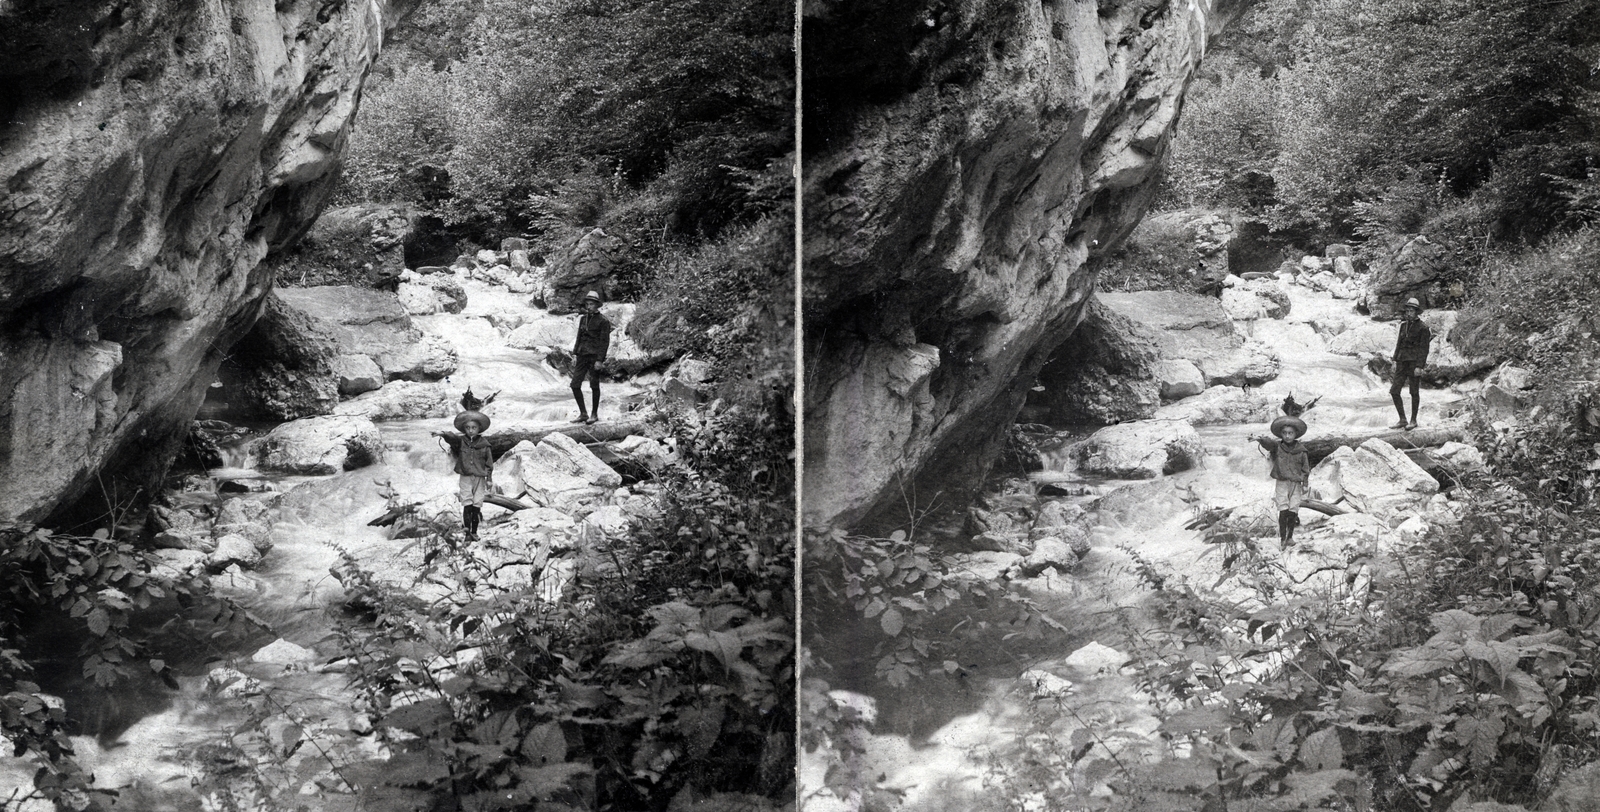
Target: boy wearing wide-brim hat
<point>1291,470</point>
<point>475,464</point>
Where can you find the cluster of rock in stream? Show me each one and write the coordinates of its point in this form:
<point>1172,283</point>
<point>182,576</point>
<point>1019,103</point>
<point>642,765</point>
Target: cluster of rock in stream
<point>378,371</point>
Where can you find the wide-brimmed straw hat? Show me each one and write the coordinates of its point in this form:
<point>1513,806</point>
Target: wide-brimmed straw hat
<point>479,417</point>
<point>1285,420</point>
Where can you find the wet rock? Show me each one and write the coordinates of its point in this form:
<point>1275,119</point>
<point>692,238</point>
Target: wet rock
<point>1056,514</point>
<point>421,295</point>
<point>984,565</point>
<point>1222,406</point>
<point>1049,552</point>
<point>401,400</point>
<point>176,565</point>
<point>1145,505</point>
<point>1460,456</point>
<point>230,683</point>
<point>283,652</point>
<point>320,446</point>
<point>648,452</point>
<point>1140,450</point>
<point>430,359</point>
<point>557,472</point>
<point>1096,658</point>
<point>1197,329</point>
<point>356,374</point>
<point>1179,379</point>
<point>233,549</point>
<point>1376,479</point>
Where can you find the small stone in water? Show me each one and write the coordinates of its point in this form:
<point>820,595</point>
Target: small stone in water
<point>282,652</point>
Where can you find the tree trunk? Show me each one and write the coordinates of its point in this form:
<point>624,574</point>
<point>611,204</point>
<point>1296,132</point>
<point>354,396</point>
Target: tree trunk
<point>502,439</point>
<point>1321,445</point>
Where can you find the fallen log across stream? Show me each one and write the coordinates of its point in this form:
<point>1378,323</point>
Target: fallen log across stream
<point>502,439</point>
<point>1319,444</point>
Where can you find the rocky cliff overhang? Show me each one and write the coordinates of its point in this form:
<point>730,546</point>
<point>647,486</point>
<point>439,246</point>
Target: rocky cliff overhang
<point>965,163</point>
<point>152,153</point>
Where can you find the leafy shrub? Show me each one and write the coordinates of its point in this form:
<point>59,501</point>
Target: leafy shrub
<point>666,668</point>
<point>1457,668</point>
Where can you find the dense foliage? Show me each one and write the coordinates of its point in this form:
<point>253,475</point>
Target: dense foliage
<point>1475,120</point>
<point>667,121</point>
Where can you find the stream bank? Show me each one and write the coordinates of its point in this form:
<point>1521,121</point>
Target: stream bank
<point>266,712</point>
<point>1028,721</point>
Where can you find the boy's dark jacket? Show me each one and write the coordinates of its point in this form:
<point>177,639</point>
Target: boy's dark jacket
<point>473,456</point>
<point>1289,460</point>
<point>1412,344</point>
<point>594,335</point>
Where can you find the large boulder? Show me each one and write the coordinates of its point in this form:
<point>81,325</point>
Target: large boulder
<point>1197,329</point>
<point>1106,373</point>
<point>288,366</point>
<point>362,245</point>
<point>558,471</point>
<point>1140,450</point>
<point>966,177</point>
<point>1404,267</point>
<point>1222,406</point>
<point>401,400</point>
<point>584,265</point>
<point>357,374</point>
<point>319,446</point>
<point>1375,478</point>
<point>373,323</point>
<point>154,155</point>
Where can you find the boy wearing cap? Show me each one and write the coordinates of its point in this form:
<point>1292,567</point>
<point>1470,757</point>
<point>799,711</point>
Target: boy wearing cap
<point>475,464</point>
<point>594,340</point>
<point>1291,469</point>
<point>1410,354</point>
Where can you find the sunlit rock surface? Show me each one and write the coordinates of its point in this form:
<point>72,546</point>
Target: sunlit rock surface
<point>152,155</point>
<point>964,166</point>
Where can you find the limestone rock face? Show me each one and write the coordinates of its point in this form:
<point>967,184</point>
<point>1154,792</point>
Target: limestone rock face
<point>1141,450</point>
<point>963,165</point>
<point>152,155</point>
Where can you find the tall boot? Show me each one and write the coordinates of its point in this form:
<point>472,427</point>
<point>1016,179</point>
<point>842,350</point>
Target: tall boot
<point>1283,527</point>
<point>469,520</point>
<point>594,391</point>
<point>1291,521</point>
